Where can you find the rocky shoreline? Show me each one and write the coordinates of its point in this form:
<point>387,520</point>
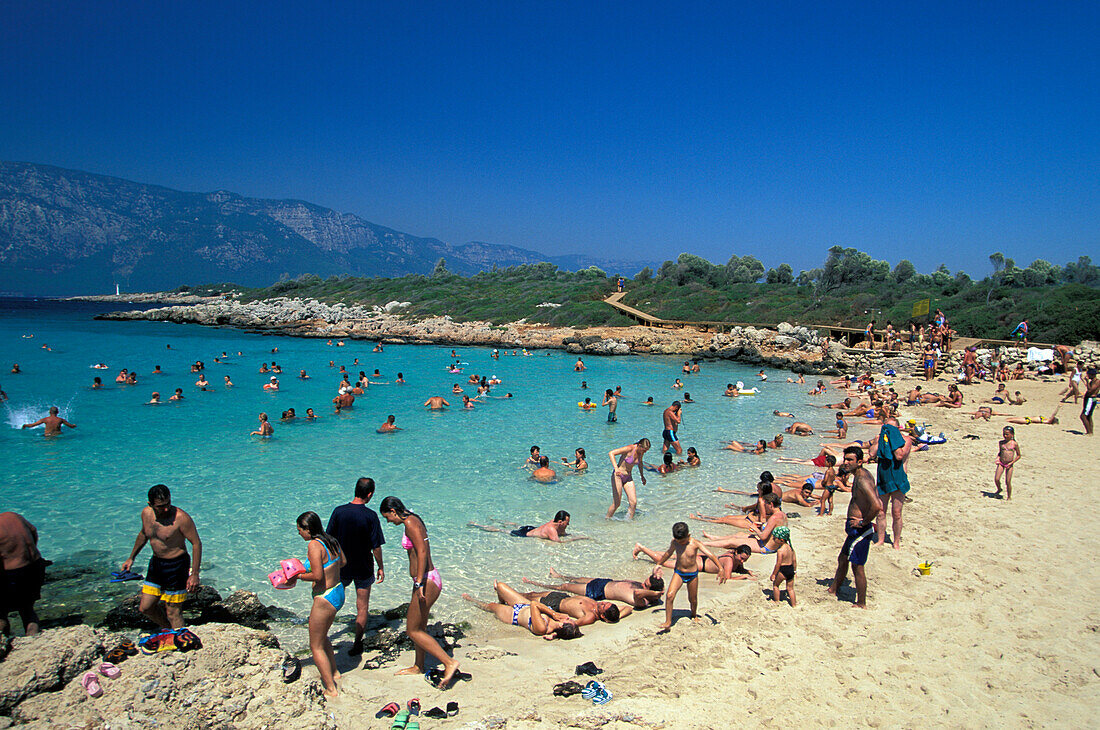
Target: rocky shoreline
<point>788,347</point>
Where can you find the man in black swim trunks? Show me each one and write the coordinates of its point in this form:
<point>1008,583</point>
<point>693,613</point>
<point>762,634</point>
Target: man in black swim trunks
<point>356,527</point>
<point>554,530</point>
<point>639,594</point>
<point>22,572</point>
<point>1092,395</point>
<point>672,418</point>
<point>171,575</point>
<point>863,508</point>
<point>586,610</point>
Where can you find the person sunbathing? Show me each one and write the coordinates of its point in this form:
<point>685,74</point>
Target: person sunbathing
<point>732,562</point>
<point>582,608</point>
<point>759,540</point>
<point>743,447</point>
<point>1051,420</point>
<point>535,617</point>
<point>639,594</point>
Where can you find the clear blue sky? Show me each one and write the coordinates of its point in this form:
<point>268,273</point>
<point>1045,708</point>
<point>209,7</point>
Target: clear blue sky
<point>937,131</point>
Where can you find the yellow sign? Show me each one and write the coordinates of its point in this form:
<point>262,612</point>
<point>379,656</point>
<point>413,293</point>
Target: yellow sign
<point>921,308</point>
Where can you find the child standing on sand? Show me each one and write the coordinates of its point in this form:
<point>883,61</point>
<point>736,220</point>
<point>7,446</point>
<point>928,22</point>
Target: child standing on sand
<point>1008,453</point>
<point>686,549</point>
<point>786,564</point>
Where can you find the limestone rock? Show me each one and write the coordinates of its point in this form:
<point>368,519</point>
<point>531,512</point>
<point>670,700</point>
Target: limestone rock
<point>46,662</point>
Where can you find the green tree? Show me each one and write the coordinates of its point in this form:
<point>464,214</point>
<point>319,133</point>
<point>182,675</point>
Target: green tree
<point>644,275</point>
<point>440,269</point>
<point>782,274</point>
<point>904,271</point>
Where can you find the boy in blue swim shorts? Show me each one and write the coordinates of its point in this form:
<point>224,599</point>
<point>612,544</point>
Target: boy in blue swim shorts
<point>686,549</point>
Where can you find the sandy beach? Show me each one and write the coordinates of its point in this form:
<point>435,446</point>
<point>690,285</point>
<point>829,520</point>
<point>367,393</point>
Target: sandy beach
<point>1002,633</point>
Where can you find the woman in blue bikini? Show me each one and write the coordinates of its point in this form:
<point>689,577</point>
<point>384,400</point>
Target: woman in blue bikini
<point>325,558</point>
<point>427,585</point>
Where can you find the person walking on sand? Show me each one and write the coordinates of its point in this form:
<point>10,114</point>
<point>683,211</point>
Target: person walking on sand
<point>426,587</point>
<point>1092,393</point>
<point>326,560</point>
<point>859,526</point>
<point>171,574</point>
<point>687,550</point>
<point>622,479</point>
<point>356,527</point>
<point>1008,453</point>
<point>893,482</point>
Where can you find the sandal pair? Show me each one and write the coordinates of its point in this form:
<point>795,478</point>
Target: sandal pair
<point>90,680</point>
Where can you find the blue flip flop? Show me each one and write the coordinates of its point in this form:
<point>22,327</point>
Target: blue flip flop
<point>118,576</point>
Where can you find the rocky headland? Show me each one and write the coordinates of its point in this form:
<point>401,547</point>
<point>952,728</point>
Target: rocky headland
<point>793,347</point>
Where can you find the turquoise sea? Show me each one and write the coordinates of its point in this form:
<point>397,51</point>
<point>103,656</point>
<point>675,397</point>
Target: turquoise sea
<point>85,489</point>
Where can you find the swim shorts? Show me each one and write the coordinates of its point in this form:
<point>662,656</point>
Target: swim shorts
<point>611,417</point>
<point>858,544</point>
<point>167,579</point>
<point>553,600</point>
<point>21,587</point>
<point>669,436</point>
<point>522,531</point>
<point>1089,407</point>
<point>361,582</point>
<point>595,587</point>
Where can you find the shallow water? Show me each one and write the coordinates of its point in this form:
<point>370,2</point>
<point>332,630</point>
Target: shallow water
<point>85,489</point>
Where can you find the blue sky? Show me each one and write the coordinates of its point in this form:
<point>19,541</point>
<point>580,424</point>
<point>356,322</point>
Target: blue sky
<point>934,131</point>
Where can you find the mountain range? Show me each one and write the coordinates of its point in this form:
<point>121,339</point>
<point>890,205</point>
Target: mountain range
<point>71,232</point>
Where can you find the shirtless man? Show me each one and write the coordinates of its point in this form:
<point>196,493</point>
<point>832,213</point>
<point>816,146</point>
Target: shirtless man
<point>344,398</point>
<point>672,418</point>
<point>582,608</point>
<point>746,448</point>
<point>612,402</point>
<point>579,367</point>
<point>554,530</point>
<point>731,391</point>
<point>436,403</point>
<point>543,473</point>
<point>859,526</point>
<point>52,423</point>
<point>389,426</point>
<point>843,405</point>
<point>22,574</point>
<point>265,429</point>
<point>732,563</point>
<point>1092,394</point>
<point>798,428</point>
<point>171,574</point>
<point>781,414</point>
<point>639,594</point>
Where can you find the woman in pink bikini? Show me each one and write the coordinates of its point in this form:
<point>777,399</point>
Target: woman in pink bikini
<point>427,585</point>
<point>622,479</point>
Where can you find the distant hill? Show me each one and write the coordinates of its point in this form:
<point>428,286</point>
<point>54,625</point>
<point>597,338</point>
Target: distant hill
<point>71,232</point>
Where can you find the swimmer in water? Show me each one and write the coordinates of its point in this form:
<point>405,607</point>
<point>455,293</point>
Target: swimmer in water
<point>389,426</point>
<point>228,382</point>
<point>272,385</point>
<point>310,415</point>
<point>579,463</point>
<point>97,383</point>
<point>154,400</point>
<point>178,395</point>
<point>400,379</point>
<point>202,382</point>
<point>693,457</point>
<point>466,402</point>
<point>52,423</point>
<point>265,429</point>
<point>157,370</point>
<point>648,401</point>
<point>436,403</point>
<point>15,368</point>
<point>544,473</point>
<point>302,375</point>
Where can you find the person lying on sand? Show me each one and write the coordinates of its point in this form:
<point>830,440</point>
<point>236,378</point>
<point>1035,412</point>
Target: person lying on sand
<point>554,530</point>
<point>639,594</point>
<point>743,447</point>
<point>535,617</point>
<point>773,516</point>
<point>1051,420</point>
<point>732,562</point>
<point>582,608</point>
<point>984,412</point>
<point>842,406</point>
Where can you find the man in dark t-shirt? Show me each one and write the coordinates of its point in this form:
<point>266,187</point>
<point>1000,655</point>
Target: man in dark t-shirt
<point>356,527</point>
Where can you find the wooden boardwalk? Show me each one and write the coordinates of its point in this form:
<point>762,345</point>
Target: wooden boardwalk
<point>840,333</point>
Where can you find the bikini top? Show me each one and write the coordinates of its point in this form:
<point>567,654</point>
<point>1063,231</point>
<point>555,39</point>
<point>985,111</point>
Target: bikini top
<point>629,458</point>
<point>407,543</point>
<point>332,560</point>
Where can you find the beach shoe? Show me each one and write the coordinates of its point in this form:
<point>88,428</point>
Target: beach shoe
<point>414,706</point>
<point>432,677</point>
<point>567,689</point>
<point>186,640</point>
<point>156,643</point>
<point>400,720</point>
<point>108,670</point>
<point>90,683</point>
<point>452,709</point>
<point>602,697</point>
<point>389,710</point>
<point>128,647</point>
<point>116,656</point>
<point>413,723</point>
<point>436,713</point>
<point>292,669</point>
<point>588,668</point>
<point>123,576</point>
<point>591,689</point>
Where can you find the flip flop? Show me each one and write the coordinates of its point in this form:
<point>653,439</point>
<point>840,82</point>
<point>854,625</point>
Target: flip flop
<point>108,670</point>
<point>412,724</point>
<point>389,710</point>
<point>414,706</point>
<point>116,656</point>
<point>452,709</point>
<point>567,689</point>
<point>400,720</point>
<point>292,669</point>
<point>90,683</point>
<point>128,647</point>
<point>436,713</point>
<point>602,697</point>
<point>123,576</point>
